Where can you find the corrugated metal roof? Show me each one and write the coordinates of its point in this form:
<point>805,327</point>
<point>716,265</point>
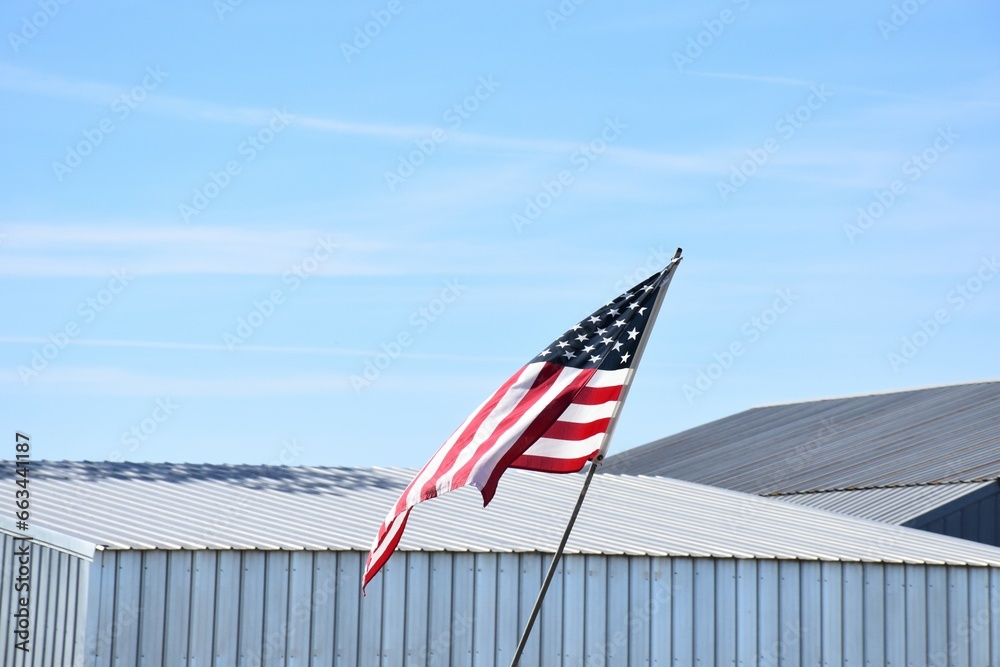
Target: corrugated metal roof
<point>892,504</point>
<point>146,506</point>
<point>941,434</point>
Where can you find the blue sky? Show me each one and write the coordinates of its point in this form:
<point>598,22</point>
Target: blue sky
<point>455,188</point>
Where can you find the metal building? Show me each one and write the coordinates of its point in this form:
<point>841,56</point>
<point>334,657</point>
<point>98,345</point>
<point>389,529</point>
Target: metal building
<point>254,565</point>
<point>926,458</point>
<point>53,577</point>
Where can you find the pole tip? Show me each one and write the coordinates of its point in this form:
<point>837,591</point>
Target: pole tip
<point>677,255</point>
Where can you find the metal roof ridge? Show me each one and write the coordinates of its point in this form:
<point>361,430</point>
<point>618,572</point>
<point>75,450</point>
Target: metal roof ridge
<point>221,465</point>
<point>884,392</point>
<point>776,494</point>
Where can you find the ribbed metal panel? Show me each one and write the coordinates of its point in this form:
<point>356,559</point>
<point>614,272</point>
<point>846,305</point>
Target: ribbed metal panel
<point>968,511</point>
<point>941,434</point>
<point>902,505</point>
<point>57,591</point>
<point>974,516</point>
<point>305,608</point>
<point>145,506</point>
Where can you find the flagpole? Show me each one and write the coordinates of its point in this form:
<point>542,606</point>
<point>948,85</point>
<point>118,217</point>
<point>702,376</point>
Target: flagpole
<point>668,270</point>
<point>641,347</point>
<point>555,561</point>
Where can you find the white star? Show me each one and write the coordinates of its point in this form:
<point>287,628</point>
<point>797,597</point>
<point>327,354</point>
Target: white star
<point>562,343</point>
<point>575,327</point>
<point>633,306</point>
<point>601,332</point>
<point>569,354</point>
<point>627,296</point>
<point>613,311</point>
<point>620,323</point>
<point>594,319</point>
<point>617,346</point>
<point>581,338</point>
<point>589,348</point>
<point>544,352</point>
<point>647,288</point>
<point>594,358</point>
<point>606,340</point>
<point>625,357</point>
<point>633,333</point>
<point>643,310</point>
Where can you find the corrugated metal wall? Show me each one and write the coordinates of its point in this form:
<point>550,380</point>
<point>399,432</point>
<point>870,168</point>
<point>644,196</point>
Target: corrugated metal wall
<point>303,608</point>
<point>974,517</point>
<point>58,604</point>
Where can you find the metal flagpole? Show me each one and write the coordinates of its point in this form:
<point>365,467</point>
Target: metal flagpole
<point>669,271</point>
<point>593,465</point>
<point>555,561</point>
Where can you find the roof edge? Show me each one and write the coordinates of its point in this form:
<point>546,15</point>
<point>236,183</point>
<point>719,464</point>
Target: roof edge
<point>779,494</point>
<point>49,538</point>
<point>885,392</point>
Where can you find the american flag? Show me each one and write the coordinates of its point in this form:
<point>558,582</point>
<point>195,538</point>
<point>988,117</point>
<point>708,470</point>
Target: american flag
<point>553,415</point>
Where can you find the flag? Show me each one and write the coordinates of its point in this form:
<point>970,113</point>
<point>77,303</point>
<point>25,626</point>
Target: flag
<point>553,415</point>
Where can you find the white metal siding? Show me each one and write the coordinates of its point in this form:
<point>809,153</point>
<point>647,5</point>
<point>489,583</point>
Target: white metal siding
<point>253,608</point>
<point>58,604</point>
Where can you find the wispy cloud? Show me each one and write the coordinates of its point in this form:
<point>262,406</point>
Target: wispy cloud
<point>249,349</point>
<point>94,381</point>
<point>54,249</point>
<point>35,235</point>
<point>111,381</point>
<point>40,83</point>
<point>95,250</point>
<point>777,80</point>
<point>861,90</point>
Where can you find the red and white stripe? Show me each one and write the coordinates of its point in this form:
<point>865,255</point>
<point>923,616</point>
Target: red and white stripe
<point>546,417</point>
<point>581,430</point>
